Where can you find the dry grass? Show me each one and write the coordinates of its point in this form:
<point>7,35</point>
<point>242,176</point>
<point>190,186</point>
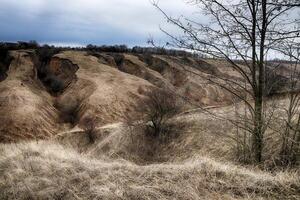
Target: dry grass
<point>108,170</point>
<point>219,138</point>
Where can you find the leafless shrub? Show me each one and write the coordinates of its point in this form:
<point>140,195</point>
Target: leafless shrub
<point>89,125</point>
<point>156,111</point>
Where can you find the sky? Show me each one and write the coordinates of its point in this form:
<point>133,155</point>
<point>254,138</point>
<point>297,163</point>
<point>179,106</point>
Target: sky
<point>82,22</point>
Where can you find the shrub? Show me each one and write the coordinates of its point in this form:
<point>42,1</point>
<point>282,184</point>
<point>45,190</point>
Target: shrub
<point>156,109</point>
<point>119,59</point>
<point>89,127</point>
<point>46,53</point>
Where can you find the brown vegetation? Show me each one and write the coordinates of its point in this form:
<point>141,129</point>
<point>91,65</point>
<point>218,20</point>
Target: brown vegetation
<point>157,110</point>
<point>164,154</point>
<point>89,125</point>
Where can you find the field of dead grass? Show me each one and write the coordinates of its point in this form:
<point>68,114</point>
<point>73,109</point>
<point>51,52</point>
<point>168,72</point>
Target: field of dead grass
<point>119,165</point>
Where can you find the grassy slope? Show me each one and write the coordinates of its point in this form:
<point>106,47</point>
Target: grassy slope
<point>112,169</point>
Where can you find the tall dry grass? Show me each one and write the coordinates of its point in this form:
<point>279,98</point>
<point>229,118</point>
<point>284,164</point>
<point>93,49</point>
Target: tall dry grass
<point>123,163</point>
<point>49,170</point>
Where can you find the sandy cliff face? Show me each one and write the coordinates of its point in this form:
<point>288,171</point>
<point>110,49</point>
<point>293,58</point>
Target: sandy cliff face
<point>26,109</point>
<point>64,70</point>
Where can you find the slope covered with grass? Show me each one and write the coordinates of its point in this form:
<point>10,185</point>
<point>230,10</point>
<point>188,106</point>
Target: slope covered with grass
<point>114,167</point>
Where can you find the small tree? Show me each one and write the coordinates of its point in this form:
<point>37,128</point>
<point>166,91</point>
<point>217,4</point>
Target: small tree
<point>156,109</point>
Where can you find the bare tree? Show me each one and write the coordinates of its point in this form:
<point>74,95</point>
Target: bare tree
<point>244,33</point>
<point>156,109</point>
<point>290,142</point>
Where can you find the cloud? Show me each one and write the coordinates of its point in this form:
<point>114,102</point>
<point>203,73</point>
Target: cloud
<point>86,21</point>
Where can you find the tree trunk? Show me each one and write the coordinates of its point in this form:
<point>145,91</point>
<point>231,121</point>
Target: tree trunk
<point>257,145</point>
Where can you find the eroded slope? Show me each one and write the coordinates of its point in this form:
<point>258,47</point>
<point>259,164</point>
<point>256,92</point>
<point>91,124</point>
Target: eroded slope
<point>30,110</point>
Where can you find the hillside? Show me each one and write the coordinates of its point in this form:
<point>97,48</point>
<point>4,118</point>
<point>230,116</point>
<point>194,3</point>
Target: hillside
<point>46,154</point>
<point>105,86</point>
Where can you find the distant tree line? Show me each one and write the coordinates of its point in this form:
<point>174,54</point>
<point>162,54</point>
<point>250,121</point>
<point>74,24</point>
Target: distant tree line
<point>101,48</point>
<point>138,50</point>
<point>6,46</point>
<point>32,45</point>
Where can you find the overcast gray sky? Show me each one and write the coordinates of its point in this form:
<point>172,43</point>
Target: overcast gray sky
<point>81,22</point>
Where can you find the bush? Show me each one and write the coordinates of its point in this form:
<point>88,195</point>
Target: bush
<point>156,109</point>
<point>89,126</point>
<point>46,53</point>
<point>119,58</point>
